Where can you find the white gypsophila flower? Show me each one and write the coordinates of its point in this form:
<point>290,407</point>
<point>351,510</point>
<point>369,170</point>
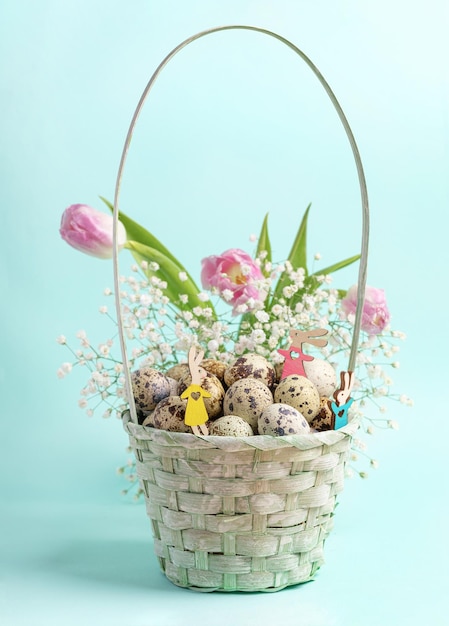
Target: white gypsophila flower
<point>60,373</point>
<point>61,340</point>
<point>227,295</point>
<point>103,309</point>
<point>107,291</point>
<point>213,345</point>
<point>204,297</point>
<point>153,266</point>
<point>67,367</point>
<point>145,300</point>
<point>258,336</point>
<point>253,237</point>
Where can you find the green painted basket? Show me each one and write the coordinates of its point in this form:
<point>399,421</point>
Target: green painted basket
<point>240,514</point>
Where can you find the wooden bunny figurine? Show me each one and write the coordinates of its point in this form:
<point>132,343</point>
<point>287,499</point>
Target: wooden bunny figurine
<point>196,415</point>
<point>342,401</point>
<point>294,356</point>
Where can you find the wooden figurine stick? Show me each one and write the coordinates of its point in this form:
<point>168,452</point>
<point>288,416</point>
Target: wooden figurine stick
<point>342,401</point>
<point>196,414</point>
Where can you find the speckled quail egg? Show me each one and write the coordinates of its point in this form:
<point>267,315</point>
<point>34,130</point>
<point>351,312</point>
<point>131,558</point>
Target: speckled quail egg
<point>211,384</point>
<point>323,419</point>
<point>322,375</point>
<point>231,426</point>
<point>174,386</point>
<point>299,392</point>
<point>282,419</point>
<point>146,419</point>
<point>214,367</point>
<point>178,371</point>
<point>250,365</point>
<point>169,415</point>
<point>247,398</point>
<point>149,387</point>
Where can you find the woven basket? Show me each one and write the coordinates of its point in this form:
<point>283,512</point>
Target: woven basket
<point>240,514</point>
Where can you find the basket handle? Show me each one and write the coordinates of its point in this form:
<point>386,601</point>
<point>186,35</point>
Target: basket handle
<point>360,173</point>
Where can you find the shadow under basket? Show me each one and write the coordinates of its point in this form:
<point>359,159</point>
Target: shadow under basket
<point>240,514</point>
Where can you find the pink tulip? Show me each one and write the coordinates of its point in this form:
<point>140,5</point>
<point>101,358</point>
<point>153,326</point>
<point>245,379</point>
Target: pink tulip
<point>375,314</point>
<point>90,231</point>
<point>236,277</point>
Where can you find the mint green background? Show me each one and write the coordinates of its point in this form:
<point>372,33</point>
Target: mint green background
<point>237,126</point>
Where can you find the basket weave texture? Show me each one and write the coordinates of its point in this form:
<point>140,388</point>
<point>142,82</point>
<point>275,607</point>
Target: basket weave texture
<point>239,514</point>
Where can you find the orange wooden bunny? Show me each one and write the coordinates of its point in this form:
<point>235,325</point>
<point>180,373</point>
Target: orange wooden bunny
<point>196,415</point>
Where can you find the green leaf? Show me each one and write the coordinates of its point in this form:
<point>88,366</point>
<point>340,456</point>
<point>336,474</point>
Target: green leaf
<point>264,244</point>
<point>337,266</point>
<point>297,256</point>
<point>298,253</point>
<point>136,232</point>
<point>153,250</point>
<point>169,272</point>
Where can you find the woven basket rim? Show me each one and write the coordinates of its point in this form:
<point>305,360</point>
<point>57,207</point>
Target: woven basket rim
<point>261,442</point>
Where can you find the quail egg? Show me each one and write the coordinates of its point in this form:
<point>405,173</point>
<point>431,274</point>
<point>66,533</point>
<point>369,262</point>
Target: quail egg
<point>247,398</point>
<point>250,365</point>
<point>149,387</point>
<point>282,419</point>
<point>169,415</point>
<point>177,371</point>
<point>323,419</point>
<point>231,426</point>
<point>322,375</point>
<point>214,367</point>
<point>299,392</point>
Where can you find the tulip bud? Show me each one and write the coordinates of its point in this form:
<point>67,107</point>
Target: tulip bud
<point>90,231</point>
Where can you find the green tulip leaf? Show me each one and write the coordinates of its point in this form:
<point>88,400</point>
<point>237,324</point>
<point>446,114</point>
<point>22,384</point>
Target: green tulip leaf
<point>136,232</point>
<point>337,266</point>
<point>264,244</point>
<point>298,253</point>
<point>169,272</point>
<point>297,256</point>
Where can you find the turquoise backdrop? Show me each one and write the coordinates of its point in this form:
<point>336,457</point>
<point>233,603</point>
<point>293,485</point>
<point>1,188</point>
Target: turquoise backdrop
<point>237,126</point>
